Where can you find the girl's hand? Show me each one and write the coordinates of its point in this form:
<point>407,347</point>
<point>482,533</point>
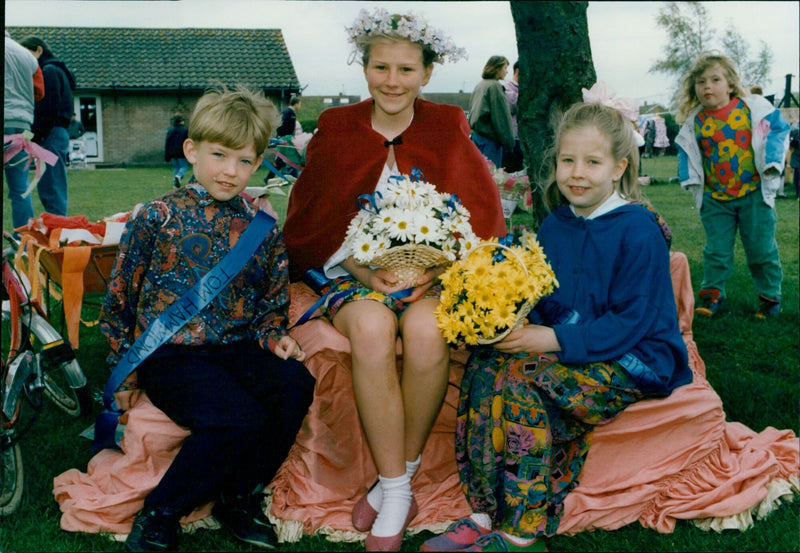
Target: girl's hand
<point>529,339</point>
<point>287,347</point>
<point>423,283</point>
<point>379,280</point>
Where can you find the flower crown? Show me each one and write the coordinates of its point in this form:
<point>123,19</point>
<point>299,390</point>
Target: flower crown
<point>601,93</point>
<point>408,26</point>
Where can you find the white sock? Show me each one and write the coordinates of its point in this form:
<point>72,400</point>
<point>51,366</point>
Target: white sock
<point>375,494</point>
<point>482,519</point>
<point>394,505</point>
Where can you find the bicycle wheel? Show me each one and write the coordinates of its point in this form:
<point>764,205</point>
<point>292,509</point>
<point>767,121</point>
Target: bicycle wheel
<point>11,477</point>
<point>64,381</point>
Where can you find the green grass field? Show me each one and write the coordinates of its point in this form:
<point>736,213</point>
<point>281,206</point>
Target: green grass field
<point>752,365</point>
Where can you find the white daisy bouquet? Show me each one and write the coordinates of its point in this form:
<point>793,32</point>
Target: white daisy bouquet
<point>489,292</point>
<point>410,228</point>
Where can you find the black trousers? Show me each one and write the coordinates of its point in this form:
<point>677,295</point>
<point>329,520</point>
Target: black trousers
<point>243,406</point>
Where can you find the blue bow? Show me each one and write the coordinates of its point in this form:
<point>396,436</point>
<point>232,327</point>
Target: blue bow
<point>369,202</point>
<point>453,202</point>
<point>507,240</point>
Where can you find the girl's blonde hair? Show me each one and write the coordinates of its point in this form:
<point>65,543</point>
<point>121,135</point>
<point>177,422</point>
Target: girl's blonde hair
<point>234,118</point>
<point>619,131</point>
<point>687,99</point>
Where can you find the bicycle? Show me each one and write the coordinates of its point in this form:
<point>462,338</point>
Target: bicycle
<point>36,361</point>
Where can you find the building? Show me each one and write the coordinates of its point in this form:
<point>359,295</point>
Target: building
<point>130,82</point>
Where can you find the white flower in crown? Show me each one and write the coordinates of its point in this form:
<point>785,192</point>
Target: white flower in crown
<point>408,26</point>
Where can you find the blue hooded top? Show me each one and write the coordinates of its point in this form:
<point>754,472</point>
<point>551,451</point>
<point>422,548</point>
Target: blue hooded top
<point>615,300</point>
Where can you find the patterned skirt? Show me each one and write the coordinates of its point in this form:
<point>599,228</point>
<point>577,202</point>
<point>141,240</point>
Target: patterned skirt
<point>343,290</point>
<point>523,431</point>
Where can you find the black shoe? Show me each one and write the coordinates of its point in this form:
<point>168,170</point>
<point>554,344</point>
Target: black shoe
<point>176,182</point>
<point>154,530</point>
<point>244,517</point>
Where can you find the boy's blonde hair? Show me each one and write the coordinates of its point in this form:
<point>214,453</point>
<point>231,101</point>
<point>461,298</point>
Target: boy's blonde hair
<point>611,123</point>
<point>687,99</point>
<point>234,118</point>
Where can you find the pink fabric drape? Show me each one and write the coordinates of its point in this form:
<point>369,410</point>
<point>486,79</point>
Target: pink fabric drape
<point>661,460</point>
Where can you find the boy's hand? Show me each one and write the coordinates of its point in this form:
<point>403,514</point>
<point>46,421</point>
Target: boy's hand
<point>287,347</point>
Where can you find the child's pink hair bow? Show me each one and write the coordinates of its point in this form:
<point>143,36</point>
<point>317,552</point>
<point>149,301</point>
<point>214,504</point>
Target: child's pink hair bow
<point>600,93</point>
<point>15,143</point>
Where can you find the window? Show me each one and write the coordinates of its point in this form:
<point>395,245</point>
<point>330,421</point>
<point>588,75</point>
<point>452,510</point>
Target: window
<point>90,114</point>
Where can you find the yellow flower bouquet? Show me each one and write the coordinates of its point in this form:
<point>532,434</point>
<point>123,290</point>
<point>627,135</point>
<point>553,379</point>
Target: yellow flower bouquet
<point>489,292</point>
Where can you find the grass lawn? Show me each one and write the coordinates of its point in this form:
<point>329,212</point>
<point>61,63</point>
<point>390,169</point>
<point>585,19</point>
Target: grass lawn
<point>752,365</point>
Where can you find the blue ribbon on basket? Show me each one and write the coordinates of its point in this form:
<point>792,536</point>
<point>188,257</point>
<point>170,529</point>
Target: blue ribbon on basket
<point>369,202</point>
<point>507,240</point>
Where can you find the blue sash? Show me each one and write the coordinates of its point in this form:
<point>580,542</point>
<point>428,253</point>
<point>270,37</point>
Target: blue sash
<point>171,320</point>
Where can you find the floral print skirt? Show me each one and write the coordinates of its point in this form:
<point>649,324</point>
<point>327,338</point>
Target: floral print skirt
<point>523,431</point>
<point>343,290</point>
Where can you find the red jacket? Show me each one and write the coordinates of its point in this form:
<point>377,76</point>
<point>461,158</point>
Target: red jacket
<point>345,158</point>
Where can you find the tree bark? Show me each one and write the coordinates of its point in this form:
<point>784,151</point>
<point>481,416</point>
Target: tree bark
<point>555,62</point>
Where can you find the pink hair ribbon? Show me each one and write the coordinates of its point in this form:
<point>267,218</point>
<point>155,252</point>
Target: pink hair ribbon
<point>601,93</point>
<point>15,143</point>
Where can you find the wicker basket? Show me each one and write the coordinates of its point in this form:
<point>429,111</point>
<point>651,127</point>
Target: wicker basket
<point>523,310</point>
<point>409,261</point>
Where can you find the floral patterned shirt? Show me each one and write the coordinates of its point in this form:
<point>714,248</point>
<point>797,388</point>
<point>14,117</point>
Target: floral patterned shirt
<point>167,247</point>
<point>725,137</point>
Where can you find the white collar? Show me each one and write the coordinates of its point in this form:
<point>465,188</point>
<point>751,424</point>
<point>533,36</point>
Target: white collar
<point>612,202</point>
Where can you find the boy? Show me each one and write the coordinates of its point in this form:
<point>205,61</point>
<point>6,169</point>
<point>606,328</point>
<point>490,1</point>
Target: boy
<point>231,374</point>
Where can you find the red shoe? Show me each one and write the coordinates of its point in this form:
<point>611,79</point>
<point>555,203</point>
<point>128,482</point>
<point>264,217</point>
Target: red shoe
<point>391,543</point>
<point>712,302</point>
<point>363,515</point>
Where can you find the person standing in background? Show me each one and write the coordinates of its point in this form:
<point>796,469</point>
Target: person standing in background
<point>289,125</point>
<point>513,160</point>
<point>76,128</point>
<point>51,119</point>
<point>173,149</point>
<point>490,114</point>
<point>24,84</point>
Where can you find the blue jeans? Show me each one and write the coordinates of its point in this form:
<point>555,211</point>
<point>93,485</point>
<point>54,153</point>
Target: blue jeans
<point>53,186</point>
<point>17,179</point>
<point>489,148</point>
<point>179,167</point>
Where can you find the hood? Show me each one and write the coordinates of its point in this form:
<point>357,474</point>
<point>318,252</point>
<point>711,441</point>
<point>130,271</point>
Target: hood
<point>51,60</point>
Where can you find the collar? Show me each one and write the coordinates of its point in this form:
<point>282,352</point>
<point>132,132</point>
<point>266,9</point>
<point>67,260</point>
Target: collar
<point>204,199</point>
<point>612,202</point>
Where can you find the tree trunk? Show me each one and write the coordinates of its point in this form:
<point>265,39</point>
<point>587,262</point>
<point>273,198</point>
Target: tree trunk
<point>555,62</point>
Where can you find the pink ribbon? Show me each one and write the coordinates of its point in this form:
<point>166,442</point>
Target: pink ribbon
<point>600,93</point>
<point>16,143</point>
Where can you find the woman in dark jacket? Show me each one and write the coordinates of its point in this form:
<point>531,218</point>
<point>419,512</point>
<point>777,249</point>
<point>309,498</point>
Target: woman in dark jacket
<point>51,118</point>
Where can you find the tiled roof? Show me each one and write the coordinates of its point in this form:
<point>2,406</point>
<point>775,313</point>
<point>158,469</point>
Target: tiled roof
<point>165,59</point>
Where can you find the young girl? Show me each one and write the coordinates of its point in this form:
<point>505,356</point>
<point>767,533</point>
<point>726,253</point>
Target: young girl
<point>731,153</point>
<point>607,337</point>
<point>355,151</point>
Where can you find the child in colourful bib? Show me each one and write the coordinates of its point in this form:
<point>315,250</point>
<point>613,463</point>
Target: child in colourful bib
<point>731,152</point>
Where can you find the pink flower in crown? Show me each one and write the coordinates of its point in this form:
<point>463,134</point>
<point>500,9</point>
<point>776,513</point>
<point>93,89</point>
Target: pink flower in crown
<point>601,93</point>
